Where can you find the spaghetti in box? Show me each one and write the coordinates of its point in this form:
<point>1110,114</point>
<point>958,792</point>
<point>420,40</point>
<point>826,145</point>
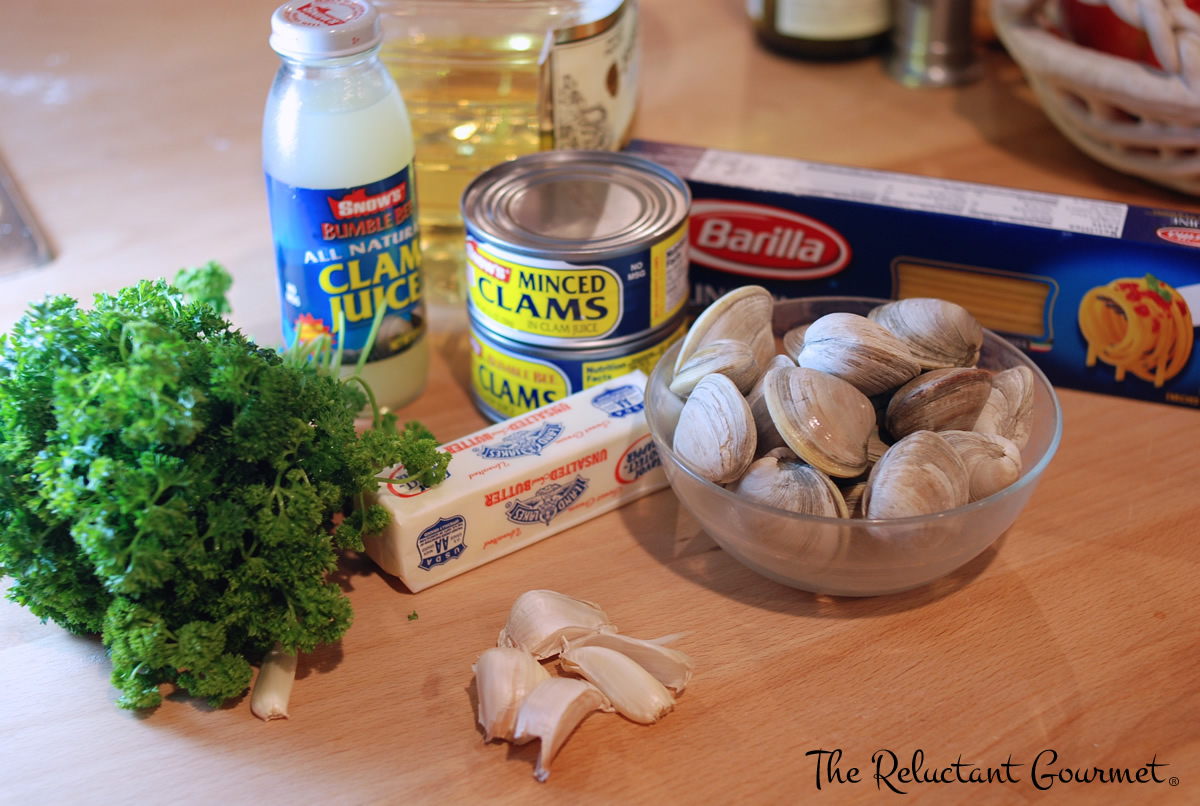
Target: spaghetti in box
<point>1101,295</point>
<point>519,481</point>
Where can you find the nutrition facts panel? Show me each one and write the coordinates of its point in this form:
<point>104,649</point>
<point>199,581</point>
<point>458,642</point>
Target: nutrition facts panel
<point>986,202</point>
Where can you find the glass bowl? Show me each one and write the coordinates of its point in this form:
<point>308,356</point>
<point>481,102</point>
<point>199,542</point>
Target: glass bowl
<point>853,557</point>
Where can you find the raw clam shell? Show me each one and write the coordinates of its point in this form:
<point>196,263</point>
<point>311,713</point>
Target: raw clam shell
<point>993,462</point>
<point>824,419</point>
<point>793,486</point>
<point>733,359</point>
<point>1009,408</point>
<point>939,400</point>
<point>743,314</point>
<point>768,438</point>
<point>715,434</point>
<point>857,350</point>
<point>938,333</point>
<point>793,340</point>
<point>919,475</point>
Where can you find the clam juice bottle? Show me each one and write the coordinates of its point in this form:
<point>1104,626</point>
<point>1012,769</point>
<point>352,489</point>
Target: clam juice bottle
<point>338,159</point>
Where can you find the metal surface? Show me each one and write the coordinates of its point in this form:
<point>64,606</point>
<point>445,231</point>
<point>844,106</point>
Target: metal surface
<point>571,205</point>
<point>22,243</point>
<point>933,44</point>
<point>571,365</point>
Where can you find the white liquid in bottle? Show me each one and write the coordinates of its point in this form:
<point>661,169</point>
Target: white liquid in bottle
<point>338,154</point>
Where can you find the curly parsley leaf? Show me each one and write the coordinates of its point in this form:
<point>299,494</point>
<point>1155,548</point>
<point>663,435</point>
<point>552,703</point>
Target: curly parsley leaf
<point>171,485</point>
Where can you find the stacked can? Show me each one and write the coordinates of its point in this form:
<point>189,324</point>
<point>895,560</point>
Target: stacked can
<point>577,273</point>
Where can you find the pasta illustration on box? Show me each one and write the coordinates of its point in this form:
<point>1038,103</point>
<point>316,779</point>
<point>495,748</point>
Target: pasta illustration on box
<point>1139,325</point>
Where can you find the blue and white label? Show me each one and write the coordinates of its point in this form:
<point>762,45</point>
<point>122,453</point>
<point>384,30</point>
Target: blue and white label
<point>442,542</point>
<point>546,504</point>
<point>620,401</point>
<point>526,442</point>
<point>343,253</point>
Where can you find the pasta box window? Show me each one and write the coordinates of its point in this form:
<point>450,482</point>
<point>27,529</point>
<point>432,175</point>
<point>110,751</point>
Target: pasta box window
<point>1103,296</point>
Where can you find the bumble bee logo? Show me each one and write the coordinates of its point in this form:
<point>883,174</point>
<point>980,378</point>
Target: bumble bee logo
<point>526,442</point>
<point>545,505</point>
<point>512,384</point>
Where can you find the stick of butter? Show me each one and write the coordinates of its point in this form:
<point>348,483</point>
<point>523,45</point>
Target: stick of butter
<point>519,481</point>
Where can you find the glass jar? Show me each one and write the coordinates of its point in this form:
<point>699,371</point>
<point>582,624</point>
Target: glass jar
<point>489,80</point>
<point>338,160</point>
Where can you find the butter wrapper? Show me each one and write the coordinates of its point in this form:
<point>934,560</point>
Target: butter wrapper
<point>519,481</point>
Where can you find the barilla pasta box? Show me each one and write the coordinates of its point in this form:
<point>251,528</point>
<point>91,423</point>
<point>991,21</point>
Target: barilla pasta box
<point>1103,296</point>
<point>520,481</point>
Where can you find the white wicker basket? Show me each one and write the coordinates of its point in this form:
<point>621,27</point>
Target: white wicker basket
<point>1129,116</point>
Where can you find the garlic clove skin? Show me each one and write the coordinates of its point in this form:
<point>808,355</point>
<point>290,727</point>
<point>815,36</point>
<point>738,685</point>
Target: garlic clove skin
<point>504,676</point>
<point>540,620</point>
<point>551,712</point>
<point>632,690</point>
<point>668,666</point>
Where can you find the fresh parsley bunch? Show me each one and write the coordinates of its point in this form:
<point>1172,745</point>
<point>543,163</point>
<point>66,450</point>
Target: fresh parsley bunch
<point>171,485</point>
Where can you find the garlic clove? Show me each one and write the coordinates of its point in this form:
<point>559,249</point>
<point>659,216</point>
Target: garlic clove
<point>540,620</point>
<point>668,666</point>
<point>504,676</point>
<point>632,690</point>
<point>551,712</point>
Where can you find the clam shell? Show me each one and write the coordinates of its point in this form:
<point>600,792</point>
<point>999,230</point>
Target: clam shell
<point>793,340</point>
<point>939,400</point>
<point>768,436</point>
<point>733,359</point>
<point>824,419</point>
<point>715,433</point>
<point>857,350</point>
<point>919,475</point>
<point>853,495</point>
<point>993,462</point>
<point>793,486</point>
<point>1009,408</point>
<point>938,333</point>
<point>743,314</point>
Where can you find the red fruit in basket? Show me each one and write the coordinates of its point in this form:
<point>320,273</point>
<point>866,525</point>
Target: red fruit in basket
<point>1097,27</point>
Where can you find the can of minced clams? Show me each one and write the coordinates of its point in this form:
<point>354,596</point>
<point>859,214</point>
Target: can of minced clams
<point>577,267</point>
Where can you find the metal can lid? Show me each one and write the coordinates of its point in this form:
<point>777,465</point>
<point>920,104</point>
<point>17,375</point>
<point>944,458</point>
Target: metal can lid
<point>307,30</point>
<point>575,204</point>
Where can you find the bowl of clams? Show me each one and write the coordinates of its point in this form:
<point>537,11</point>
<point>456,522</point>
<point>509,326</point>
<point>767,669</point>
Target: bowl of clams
<point>846,445</point>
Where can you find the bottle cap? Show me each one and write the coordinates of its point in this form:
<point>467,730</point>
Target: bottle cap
<point>303,29</point>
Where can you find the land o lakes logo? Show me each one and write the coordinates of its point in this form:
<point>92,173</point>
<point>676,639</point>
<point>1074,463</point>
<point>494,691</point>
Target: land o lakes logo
<point>545,505</point>
<point>526,442</point>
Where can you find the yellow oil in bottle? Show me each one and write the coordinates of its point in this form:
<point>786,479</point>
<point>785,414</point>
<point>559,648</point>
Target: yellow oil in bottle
<point>473,102</point>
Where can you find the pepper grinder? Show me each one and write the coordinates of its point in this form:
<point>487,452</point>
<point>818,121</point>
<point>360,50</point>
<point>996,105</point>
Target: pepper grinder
<point>933,44</point>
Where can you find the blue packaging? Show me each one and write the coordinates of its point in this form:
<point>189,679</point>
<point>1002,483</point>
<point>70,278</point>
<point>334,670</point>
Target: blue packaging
<point>1103,296</point>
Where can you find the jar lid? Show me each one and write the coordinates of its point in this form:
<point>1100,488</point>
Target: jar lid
<point>303,29</point>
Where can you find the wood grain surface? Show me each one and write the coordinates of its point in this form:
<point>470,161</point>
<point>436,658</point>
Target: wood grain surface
<point>133,129</point>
